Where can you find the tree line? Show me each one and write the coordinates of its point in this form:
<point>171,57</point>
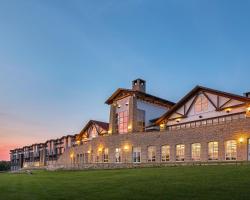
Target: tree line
<point>4,165</point>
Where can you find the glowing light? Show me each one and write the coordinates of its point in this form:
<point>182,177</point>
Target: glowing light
<point>129,127</point>
<point>126,147</point>
<point>162,125</point>
<point>78,142</point>
<point>100,149</point>
<point>228,110</point>
<point>178,120</point>
<point>88,151</point>
<point>71,155</point>
<point>110,131</point>
<point>241,140</point>
<point>248,109</point>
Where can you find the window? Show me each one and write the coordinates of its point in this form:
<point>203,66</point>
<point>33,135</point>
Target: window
<point>180,152</point>
<point>118,155</point>
<point>140,120</point>
<point>106,155</point>
<point>231,150</point>
<point>213,151</point>
<point>151,153</point>
<point>137,154</point>
<point>165,153</point>
<point>98,156</point>
<point>201,104</point>
<point>196,151</point>
<point>123,122</point>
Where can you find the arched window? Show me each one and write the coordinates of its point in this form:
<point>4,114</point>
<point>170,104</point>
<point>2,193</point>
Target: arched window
<point>196,151</point>
<point>151,153</point>
<point>213,151</point>
<point>231,150</point>
<point>180,152</point>
<point>165,153</point>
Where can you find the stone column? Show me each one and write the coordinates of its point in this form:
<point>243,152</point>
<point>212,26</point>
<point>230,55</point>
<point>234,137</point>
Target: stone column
<point>112,120</point>
<point>132,125</point>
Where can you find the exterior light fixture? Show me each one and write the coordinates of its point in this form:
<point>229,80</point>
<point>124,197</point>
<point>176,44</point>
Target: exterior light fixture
<point>100,149</point>
<point>248,109</point>
<point>88,151</point>
<point>228,110</point>
<point>129,127</point>
<point>78,142</point>
<point>126,147</point>
<point>71,155</point>
<point>241,140</point>
<point>178,120</point>
<point>162,125</point>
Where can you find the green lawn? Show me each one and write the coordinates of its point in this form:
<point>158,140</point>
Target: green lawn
<point>199,182</point>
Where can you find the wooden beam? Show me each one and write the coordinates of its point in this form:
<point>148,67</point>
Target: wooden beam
<point>191,105</point>
<point>235,106</point>
<point>224,104</point>
<point>209,99</point>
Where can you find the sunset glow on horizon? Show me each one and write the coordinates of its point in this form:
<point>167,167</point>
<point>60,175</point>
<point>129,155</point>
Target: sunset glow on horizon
<point>61,60</point>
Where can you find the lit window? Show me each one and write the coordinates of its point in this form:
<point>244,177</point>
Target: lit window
<point>180,152</point>
<point>140,120</point>
<point>123,122</point>
<point>231,150</point>
<point>201,104</point>
<point>151,153</point>
<point>137,154</point>
<point>165,153</point>
<point>118,155</point>
<point>106,155</point>
<point>196,151</point>
<point>213,151</point>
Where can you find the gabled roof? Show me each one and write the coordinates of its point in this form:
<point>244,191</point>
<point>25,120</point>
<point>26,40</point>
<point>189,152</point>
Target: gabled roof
<point>103,125</point>
<point>193,92</point>
<point>140,94</point>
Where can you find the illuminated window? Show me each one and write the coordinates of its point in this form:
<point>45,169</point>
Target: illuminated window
<point>213,151</point>
<point>98,156</point>
<point>231,150</point>
<point>201,104</point>
<point>165,153</point>
<point>180,152</point>
<point>123,122</point>
<point>136,154</point>
<point>196,151</point>
<point>118,155</point>
<point>140,120</point>
<point>106,155</point>
<point>151,153</point>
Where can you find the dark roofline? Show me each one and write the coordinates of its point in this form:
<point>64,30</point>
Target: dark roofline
<point>164,101</point>
<point>99,123</point>
<point>192,92</point>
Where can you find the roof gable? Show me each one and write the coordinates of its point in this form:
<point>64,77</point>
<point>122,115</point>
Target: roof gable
<point>100,126</point>
<point>218,99</point>
<point>122,93</point>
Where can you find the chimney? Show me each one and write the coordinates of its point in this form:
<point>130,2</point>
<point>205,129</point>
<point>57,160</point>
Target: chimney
<point>139,85</point>
<point>247,94</point>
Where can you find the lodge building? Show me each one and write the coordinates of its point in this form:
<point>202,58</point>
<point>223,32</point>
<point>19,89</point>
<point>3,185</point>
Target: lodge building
<point>205,126</point>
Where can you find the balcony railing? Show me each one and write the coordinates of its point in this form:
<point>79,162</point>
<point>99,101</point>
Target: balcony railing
<point>207,122</point>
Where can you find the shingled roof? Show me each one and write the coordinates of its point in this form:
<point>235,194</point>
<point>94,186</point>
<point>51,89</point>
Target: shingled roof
<point>193,92</point>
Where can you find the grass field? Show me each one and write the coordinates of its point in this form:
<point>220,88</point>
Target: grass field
<point>199,182</point>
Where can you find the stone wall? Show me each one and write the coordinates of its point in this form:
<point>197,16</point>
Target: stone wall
<point>232,130</point>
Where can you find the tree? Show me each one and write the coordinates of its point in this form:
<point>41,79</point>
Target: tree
<point>4,165</point>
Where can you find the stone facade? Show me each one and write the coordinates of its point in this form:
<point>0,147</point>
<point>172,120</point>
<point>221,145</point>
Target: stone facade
<point>233,130</point>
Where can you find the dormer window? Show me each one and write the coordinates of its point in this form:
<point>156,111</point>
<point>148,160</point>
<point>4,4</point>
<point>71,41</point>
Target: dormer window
<point>201,104</point>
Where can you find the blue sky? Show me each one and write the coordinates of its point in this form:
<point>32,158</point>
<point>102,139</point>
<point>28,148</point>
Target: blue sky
<point>60,60</point>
